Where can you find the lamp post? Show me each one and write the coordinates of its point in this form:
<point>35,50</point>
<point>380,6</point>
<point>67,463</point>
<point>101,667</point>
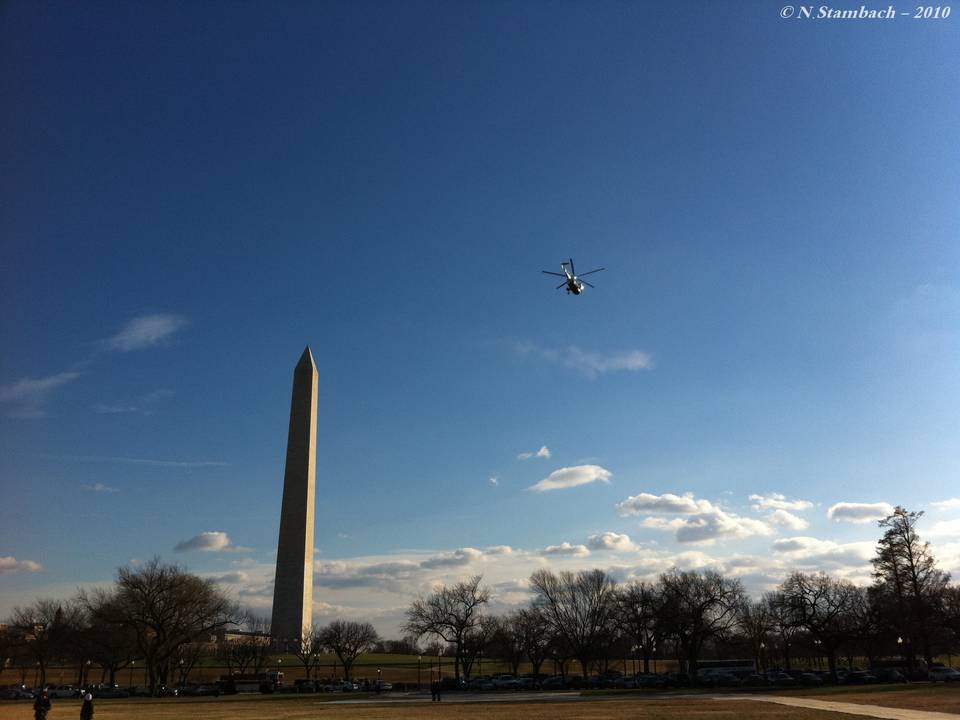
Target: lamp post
<point>86,676</point>
<point>182,678</point>
<point>633,659</point>
<point>763,646</point>
<point>817,643</point>
<point>439,654</point>
<point>378,679</point>
<point>419,658</point>
<point>36,670</point>
<point>132,663</point>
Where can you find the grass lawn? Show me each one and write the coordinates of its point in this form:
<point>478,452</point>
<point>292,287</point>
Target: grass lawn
<point>304,708</point>
<point>940,697</point>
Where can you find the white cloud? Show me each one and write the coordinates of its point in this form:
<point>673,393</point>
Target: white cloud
<point>703,523</point>
<point>543,452</point>
<point>809,553</point>
<point>31,390</point>
<point>588,363</point>
<point>788,520</point>
<point>776,501</point>
<point>618,542</point>
<point>859,512</point>
<point>569,477</point>
<point>493,481</point>
<point>231,578</point>
<point>211,541</point>
<point>947,529</point>
<point>948,504</point>
<point>566,548</point>
<point>666,504</point>
<point>148,461</point>
<point>11,564</point>
<point>462,556</point>
<point>498,550</point>
<point>144,332</point>
<point>99,488</point>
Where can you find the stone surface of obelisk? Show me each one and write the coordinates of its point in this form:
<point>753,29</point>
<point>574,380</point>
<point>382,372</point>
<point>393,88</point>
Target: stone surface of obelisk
<point>293,585</point>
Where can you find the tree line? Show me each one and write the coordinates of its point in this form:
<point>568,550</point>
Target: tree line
<point>586,620</point>
<point>163,617</point>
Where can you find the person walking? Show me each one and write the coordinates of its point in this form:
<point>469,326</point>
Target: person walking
<point>41,706</point>
<point>86,710</point>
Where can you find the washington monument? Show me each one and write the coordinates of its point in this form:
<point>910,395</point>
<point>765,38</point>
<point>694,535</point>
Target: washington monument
<point>293,585</point>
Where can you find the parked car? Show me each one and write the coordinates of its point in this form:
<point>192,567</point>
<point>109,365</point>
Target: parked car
<point>809,679</point>
<point>303,685</point>
<point>61,691</point>
<point>780,679</point>
<point>890,675</point>
<point>943,674</point>
<point>554,682</point>
<point>860,677</point>
<point>199,691</point>
<point>481,682</point>
<point>505,682</point>
<point>103,690</point>
<point>382,686</point>
<point>16,692</point>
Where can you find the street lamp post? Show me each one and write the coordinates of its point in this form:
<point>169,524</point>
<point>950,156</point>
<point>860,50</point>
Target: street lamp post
<point>419,658</point>
<point>439,654</point>
<point>378,679</point>
<point>132,663</point>
<point>817,643</point>
<point>763,646</point>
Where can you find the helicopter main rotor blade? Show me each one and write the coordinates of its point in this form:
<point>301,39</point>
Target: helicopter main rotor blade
<point>572,269</point>
<point>553,273</point>
<point>586,283</point>
<point>563,284</point>
<point>591,272</point>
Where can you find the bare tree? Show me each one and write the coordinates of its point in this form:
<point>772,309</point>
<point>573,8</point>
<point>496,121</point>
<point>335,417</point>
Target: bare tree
<point>698,607</point>
<point>756,623</point>
<point>166,608</point>
<point>507,641</point>
<point>307,649</point>
<point>449,613</point>
<point>781,623</point>
<point>45,631</point>
<point>534,633</point>
<point>348,640</point>
<point>578,608</point>
<point>637,608</point>
<point>819,604</point>
<point>477,641</point>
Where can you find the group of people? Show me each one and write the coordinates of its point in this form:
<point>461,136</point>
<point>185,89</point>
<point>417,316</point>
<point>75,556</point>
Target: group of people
<point>42,705</point>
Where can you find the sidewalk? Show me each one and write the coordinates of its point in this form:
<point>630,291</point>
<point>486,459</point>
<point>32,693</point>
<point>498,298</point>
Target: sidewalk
<point>876,711</point>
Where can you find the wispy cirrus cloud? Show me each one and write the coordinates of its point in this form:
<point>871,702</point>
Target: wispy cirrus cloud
<point>99,488</point>
<point>543,452</point>
<point>210,541</point>
<point>569,477</point>
<point>149,461</point>
<point>859,512</point>
<point>144,332</point>
<point>588,363</point>
<point>28,396</point>
<point>9,564</point>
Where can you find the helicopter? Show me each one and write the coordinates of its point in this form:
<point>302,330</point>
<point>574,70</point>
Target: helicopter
<point>572,281</point>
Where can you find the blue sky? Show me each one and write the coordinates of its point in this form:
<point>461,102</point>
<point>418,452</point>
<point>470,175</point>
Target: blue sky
<point>193,193</point>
